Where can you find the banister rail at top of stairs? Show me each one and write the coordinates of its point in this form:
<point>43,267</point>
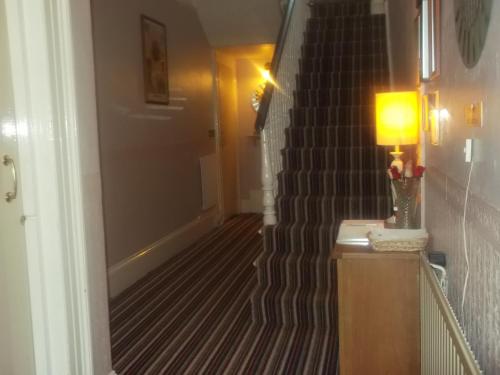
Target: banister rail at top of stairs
<point>260,122</point>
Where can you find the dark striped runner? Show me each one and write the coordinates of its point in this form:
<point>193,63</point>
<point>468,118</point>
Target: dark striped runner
<point>192,316</point>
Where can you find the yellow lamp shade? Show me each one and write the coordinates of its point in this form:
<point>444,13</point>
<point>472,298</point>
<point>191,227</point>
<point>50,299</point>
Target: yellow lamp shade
<point>397,118</point>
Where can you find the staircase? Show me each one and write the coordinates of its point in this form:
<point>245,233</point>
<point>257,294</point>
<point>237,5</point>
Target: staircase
<point>332,168</point>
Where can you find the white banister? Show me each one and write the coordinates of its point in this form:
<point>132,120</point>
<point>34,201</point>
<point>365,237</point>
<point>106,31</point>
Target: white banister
<point>267,182</point>
<point>278,116</point>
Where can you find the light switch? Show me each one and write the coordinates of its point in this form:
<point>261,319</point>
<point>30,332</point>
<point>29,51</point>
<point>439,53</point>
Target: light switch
<point>474,115</point>
<point>468,150</point>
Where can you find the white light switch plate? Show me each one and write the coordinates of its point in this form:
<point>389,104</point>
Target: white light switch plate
<point>468,150</point>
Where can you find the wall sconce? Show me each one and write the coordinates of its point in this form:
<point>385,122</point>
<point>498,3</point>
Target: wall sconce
<point>397,121</point>
<point>259,91</point>
<point>433,117</point>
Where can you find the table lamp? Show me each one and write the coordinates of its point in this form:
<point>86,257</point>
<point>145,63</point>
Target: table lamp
<point>397,121</point>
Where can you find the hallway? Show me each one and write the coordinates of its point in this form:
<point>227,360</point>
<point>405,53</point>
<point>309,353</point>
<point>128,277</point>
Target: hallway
<point>193,315</point>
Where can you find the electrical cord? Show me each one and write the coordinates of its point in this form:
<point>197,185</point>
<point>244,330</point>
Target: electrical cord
<point>466,250</point>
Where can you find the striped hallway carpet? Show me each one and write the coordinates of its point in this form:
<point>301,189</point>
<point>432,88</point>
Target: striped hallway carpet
<point>193,316</point>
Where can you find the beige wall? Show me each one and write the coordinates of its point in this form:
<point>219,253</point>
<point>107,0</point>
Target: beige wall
<point>150,155</point>
<point>446,181</point>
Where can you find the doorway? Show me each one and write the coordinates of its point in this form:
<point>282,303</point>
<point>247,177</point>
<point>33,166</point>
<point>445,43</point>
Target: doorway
<point>239,74</point>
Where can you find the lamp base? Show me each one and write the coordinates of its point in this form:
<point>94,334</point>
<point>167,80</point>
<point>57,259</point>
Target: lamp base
<point>397,162</point>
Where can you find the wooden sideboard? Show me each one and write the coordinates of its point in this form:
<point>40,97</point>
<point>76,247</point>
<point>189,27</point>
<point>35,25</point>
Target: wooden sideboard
<point>379,311</point>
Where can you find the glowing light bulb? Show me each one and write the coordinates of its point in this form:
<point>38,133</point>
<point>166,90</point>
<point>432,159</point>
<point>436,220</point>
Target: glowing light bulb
<point>266,74</point>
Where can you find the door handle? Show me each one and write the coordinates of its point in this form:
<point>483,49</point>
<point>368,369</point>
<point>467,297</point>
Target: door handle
<point>11,195</point>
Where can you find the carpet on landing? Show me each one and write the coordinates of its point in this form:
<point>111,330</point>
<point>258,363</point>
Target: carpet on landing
<point>192,315</point>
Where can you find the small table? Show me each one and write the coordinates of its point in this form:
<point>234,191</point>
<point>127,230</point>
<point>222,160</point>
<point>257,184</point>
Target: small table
<point>379,311</point>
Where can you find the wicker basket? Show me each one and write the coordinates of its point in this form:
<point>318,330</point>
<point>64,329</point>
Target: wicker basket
<point>409,244</point>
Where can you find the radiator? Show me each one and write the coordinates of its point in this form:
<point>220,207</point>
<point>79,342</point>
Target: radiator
<point>444,348</point>
<point>208,169</point>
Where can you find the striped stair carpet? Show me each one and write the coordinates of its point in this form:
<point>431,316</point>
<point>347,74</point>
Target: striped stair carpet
<point>193,316</point>
<point>332,168</point>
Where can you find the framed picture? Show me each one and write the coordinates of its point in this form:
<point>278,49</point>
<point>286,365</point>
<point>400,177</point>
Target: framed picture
<point>429,41</point>
<point>154,60</point>
<point>435,37</point>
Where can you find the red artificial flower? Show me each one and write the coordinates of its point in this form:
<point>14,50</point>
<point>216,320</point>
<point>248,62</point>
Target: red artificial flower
<point>396,175</point>
<point>418,171</point>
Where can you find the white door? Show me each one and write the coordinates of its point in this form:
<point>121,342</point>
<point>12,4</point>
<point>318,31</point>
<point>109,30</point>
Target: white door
<point>16,337</point>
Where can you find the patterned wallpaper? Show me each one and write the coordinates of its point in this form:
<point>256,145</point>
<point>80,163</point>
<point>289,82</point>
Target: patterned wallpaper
<point>480,317</point>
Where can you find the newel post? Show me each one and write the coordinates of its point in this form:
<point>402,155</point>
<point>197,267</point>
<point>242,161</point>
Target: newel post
<point>267,181</point>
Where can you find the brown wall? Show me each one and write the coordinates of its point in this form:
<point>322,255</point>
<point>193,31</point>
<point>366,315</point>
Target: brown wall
<point>150,155</point>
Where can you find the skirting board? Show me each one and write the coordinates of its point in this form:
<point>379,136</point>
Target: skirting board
<point>128,271</point>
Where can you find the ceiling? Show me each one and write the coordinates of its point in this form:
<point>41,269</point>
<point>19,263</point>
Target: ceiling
<point>238,22</point>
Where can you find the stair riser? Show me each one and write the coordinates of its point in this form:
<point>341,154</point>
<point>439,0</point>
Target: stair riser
<point>302,183</point>
<point>334,136</point>
<point>345,36</point>
<point>343,49</point>
<point>314,159</point>
<point>375,80</point>
<point>335,64</point>
<point>328,210</point>
<point>329,10</point>
<point>346,29</point>
<point>346,22</point>
<point>331,116</point>
<point>299,239</point>
<point>325,98</point>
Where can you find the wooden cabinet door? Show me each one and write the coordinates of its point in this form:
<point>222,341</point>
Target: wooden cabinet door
<point>379,314</point>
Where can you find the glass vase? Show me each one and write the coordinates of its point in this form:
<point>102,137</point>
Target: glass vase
<point>406,191</point>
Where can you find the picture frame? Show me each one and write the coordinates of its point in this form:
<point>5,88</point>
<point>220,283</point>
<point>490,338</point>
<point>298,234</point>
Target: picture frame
<point>435,38</point>
<point>154,60</point>
<point>429,41</point>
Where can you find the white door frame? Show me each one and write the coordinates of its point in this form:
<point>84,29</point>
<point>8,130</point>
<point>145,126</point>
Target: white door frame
<point>218,134</point>
<point>53,81</point>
